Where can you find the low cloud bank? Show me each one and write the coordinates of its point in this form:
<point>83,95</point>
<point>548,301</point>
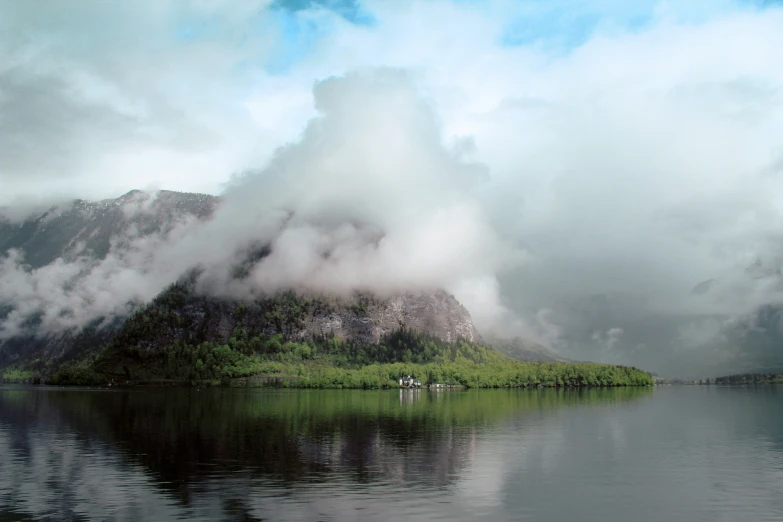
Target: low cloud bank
<point>369,199</point>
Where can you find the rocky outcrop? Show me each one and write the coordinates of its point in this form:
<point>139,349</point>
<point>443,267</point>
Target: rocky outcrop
<point>181,314</point>
<point>366,320</point>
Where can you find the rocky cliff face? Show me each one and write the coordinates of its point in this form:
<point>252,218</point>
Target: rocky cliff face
<point>182,314</point>
<point>366,320</point>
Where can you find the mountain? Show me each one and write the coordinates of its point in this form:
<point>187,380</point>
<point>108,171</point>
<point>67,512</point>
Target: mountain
<point>70,240</point>
<point>737,344</point>
<point>524,350</point>
<point>182,314</point>
<point>673,344</point>
<point>315,341</point>
<point>90,228</point>
<point>755,341</point>
<point>84,234</point>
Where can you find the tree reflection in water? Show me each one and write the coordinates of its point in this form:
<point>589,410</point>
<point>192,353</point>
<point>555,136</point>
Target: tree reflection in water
<point>73,454</point>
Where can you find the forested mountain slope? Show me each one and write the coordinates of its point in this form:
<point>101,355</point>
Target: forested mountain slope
<point>410,327</point>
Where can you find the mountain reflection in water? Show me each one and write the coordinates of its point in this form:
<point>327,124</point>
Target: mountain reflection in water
<point>236,454</point>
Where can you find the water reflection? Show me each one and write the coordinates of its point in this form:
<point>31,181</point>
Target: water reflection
<point>316,455</point>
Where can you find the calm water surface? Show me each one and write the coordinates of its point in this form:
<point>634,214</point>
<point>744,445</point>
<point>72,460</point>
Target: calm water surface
<point>690,453</point>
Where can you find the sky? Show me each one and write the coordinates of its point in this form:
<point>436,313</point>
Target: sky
<point>594,148</point>
<point>99,98</point>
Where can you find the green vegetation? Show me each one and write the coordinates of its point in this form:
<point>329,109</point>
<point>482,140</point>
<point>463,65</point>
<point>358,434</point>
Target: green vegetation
<point>181,338</point>
<point>330,363</point>
<point>751,378</point>
<point>15,375</point>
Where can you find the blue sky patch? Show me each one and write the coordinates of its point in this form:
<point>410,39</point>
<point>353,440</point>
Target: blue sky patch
<point>350,10</point>
<point>299,37</point>
<point>561,25</point>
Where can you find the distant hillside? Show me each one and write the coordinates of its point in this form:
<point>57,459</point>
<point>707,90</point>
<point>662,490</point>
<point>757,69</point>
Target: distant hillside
<point>751,378</point>
<point>757,340</point>
<point>89,227</point>
<point>180,316</point>
<point>524,350</point>
<point>315,341</point>
<point>746,344</point>
<point>304,340</point>
<point>88,231</point>
<point>363,328</point>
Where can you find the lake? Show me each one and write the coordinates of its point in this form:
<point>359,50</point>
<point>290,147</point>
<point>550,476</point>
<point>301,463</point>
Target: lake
<point>667,453</point>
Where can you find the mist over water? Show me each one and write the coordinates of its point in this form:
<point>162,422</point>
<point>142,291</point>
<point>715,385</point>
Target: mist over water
<point>699,453</point>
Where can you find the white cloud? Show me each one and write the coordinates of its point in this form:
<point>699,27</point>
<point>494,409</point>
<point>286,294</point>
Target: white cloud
<point>641,162</point>
<point>368,199</point>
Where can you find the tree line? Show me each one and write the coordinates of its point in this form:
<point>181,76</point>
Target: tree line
<point>328,362</point>
<point>750,378</point>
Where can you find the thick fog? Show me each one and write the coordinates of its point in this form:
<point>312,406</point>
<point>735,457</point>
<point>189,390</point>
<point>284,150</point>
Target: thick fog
<point>603,196</point>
